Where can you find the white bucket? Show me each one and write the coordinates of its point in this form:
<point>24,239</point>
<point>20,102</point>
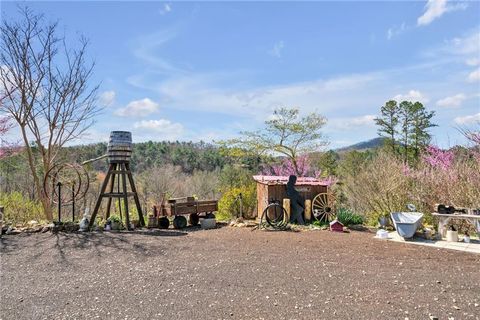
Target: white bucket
<point>452,236</point>
<point>208,223</point>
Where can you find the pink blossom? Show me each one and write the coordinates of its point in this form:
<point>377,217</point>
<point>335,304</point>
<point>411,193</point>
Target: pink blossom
<point>287,168</point>
<point>438,158</point>
<point>406,170</point>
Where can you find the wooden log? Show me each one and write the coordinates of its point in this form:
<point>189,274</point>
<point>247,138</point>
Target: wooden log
<point>308,210</point>
<point>286,206</point>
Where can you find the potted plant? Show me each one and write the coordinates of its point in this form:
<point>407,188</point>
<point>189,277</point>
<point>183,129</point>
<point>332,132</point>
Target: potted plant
<point>115,222</point>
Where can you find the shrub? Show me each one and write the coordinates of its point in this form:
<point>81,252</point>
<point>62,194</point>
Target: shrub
<point>378,188</point>
<point>19,209</point>
<point>348,218</point>
<point>229,206</point>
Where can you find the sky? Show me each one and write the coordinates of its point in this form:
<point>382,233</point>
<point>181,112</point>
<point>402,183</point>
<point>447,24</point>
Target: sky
<point>209,70</point>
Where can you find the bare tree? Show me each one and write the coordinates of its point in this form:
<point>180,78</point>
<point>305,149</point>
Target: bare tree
<point>46,89</point>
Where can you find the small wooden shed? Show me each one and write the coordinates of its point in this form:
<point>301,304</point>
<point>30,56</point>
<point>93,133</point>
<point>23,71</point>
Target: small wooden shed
<point>271,188</point>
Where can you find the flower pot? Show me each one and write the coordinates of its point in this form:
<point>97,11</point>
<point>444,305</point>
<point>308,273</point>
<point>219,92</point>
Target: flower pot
<point>452,236</point>
<point>116,225</point>
<point>466,239</point>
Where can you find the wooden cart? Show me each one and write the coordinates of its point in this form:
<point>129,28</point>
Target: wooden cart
<point>179,208</point>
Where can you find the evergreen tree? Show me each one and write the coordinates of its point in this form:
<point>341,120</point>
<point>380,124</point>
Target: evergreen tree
<point>388,122</point>
<point>421,122</point>
<point>405,116</point>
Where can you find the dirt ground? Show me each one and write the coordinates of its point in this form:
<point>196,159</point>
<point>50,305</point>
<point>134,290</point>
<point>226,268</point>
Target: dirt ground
<point>233,273</point>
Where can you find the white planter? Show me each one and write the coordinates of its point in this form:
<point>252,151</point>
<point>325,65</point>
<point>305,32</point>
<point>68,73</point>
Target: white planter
<point>208,223</point>
<point>466,239</point>
<point>452,236</point>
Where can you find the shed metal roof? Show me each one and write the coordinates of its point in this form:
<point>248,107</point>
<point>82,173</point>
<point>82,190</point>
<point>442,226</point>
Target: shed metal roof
<point>282,180</point>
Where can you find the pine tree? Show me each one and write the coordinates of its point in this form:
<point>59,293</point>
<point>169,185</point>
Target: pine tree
<point>388,122</point>
<point>421,122</point>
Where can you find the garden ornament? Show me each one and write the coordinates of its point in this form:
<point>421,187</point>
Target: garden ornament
<point>411,207</point>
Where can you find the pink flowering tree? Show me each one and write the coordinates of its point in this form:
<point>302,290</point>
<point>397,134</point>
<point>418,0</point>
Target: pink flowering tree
<point>304,168</point>
<point>438,158</point>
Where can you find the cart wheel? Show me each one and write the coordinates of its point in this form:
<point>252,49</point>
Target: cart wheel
<point>193,218</point>
<point>179,222</point>
<point>210,215</point>
<point>163,222</point>
<point>324,207</point>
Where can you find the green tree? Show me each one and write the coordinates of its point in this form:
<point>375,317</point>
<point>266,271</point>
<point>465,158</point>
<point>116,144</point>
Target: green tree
<point>388,122</point>
<point>421,122</point>
<point>406,119</point>
<point>285,134</point>
<point>410,122</point>
<point>328,163</point>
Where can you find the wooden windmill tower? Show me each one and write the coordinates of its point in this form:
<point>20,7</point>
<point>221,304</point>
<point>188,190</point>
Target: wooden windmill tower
<point>119,152</point>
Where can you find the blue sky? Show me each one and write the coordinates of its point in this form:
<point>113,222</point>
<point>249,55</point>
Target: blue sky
<point>207,70</point>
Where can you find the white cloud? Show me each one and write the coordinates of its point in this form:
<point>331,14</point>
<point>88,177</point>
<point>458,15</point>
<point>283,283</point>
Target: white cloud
<point>452,102</point>
<point>473,62</point>
<point>466,120</point>
<point>474,76</point>
<point>138,108</point>
<point>434,9</point>
<point>162,129</point>
<point>395,31</point>
<point>149,45</point>
<point>412,95</point>
<point>277,49</point>
<point>167,7</point>
<point>353,122</point>
<point>203,93</point>
<point>107,98</point>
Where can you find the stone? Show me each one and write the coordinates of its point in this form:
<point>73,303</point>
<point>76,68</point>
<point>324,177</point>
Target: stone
<point>32,223</point>
<point>45,229</point>
<point>12,231</point>
<point>358,227</point>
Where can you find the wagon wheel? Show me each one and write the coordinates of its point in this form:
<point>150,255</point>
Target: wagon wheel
<point>210,215</point>
<point>324,207</point>
<point>179,222</point>
<point>163,222</point>
<point>193,218</point>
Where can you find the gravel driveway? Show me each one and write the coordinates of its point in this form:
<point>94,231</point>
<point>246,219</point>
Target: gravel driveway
<point>232,273</point>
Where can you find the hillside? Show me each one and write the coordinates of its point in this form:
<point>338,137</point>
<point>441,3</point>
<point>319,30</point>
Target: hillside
<point>364,145</point>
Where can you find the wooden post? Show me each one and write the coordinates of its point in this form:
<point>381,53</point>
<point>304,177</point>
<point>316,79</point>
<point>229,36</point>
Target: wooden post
<point>286,206</point>
<point>112,184</point>
<point>1,221</point>
<point>125,195</point>
<point>308,210</point>
<point>135,195</point>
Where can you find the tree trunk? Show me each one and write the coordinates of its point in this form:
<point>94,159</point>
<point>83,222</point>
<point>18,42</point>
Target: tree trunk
<point>47,209</point>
